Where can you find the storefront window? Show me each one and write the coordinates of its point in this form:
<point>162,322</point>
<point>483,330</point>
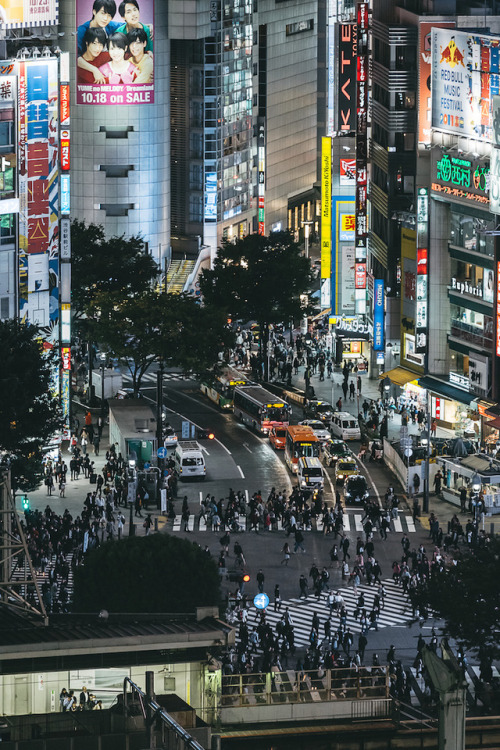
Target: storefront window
<point>471,326</point>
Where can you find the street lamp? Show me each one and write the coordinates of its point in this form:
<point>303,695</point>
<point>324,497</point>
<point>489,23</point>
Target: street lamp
<point>387,387</point>
<point>307,229</point>
<point>102,366</point>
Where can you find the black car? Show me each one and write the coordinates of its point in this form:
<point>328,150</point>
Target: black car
<point>321,410</point>
<point>356,490</point>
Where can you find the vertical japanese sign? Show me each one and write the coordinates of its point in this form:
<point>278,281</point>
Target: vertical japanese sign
<point>38,195</point>
<point>261,148</point>
<point>422,323</point>
<point>347,77</point>
<point>114,62</point>
<point>326,207</point>
<point>378,315</point>
<point>361,242</point>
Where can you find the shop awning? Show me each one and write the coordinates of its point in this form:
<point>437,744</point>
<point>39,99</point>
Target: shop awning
<point>447,390</point>
<point>399,376</point>
<point>495,423</point>
<point>321,314</point>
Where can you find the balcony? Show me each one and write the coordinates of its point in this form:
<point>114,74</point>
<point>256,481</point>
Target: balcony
<point>471,334</point>
<point>309,695</point>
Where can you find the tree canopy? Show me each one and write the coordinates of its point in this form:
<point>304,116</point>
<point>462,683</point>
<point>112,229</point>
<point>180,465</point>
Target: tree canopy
<point>156,573</point>
<point>102,266</point>
<point>259,278</point>
<point>29,410</point>
<point>169,328</point>
<point>467,597</point>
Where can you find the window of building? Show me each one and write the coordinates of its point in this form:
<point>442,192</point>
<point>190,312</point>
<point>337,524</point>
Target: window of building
<point>6,136</point>
<point>7,229</point>
<point>6,182</point>
<point>195,208</point>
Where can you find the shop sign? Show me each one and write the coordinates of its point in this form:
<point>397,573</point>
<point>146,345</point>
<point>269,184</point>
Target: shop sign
<point>459,380</point>
<point>464,287</point>
<point>437,407</point>
<point>351,325</point>
<point>347,77</point>
<point>463,179</point>
<point>478,374</point>
<point>378,315</point>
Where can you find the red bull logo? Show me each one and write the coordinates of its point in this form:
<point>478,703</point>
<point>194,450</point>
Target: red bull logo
<point>452,55</point>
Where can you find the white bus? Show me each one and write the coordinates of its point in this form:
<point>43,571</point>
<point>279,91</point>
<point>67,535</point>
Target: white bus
<point>260,409</point>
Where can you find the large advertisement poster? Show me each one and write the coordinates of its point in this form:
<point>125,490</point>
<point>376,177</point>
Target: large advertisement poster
<point>17,14</point>
<point>115,46</point>
<point>465,77</point>
<point>38,195</point>
<point>424,86</point>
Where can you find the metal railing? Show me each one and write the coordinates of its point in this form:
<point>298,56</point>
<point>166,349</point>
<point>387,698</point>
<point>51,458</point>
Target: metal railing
<point>267,688</point>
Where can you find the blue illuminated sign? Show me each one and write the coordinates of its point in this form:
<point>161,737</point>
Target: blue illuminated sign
<point>378,315</point>
<point>65,194</point>
<point>210,196</point>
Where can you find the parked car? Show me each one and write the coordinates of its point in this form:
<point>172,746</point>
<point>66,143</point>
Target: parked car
<point>356,490</point>
<point>318,428</point>
<point>333,450</point>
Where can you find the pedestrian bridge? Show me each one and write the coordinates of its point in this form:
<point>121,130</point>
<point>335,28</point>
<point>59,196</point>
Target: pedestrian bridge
<point>341,693</point>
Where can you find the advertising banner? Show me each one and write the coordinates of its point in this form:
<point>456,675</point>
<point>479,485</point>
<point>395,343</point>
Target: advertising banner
<point>18,14</point>
<point>378,315</point>
<point>326,207</point>
<point>347,279</point>
<point>114,56</point>
<point>38,108</point>
<point>465,77</point>
<point>347,172</point>
<point>347,77</point>
<point>424,91</point>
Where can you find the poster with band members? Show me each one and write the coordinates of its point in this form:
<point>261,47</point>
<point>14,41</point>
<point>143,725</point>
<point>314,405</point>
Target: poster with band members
<point>115,52</point>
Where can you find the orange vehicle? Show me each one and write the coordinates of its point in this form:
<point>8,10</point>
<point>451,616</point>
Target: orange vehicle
<point>277,438</point>
<point>301,442</point>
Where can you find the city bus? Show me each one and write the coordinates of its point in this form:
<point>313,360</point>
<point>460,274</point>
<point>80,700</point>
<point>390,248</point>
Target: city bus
<point>301,442</point>
<point>219,388</point>
<point>260,409</point>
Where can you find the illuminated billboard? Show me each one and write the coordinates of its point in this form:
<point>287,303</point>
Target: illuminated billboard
<point>326,207</point>
<point>346,77</point>
<point>114,58</point>
<point>18,14</point>
<point>37,156</point>
<point>465,77</point>
<point>424,77</point>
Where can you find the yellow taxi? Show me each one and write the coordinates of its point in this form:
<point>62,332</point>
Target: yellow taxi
<point>345,467</point>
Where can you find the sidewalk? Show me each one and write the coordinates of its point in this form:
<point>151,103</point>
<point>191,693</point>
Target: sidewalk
<point>330,390</point>
<point>77,490</point>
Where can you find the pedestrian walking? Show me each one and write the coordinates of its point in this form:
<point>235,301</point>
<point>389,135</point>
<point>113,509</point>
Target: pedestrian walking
<point>299,541</point>
<point>286,553</point>
<point>260,581</point>
<point>303,587</point>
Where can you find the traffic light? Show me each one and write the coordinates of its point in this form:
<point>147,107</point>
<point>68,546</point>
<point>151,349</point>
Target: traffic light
<point>25,502</point>
<point>211,436</point>
<point>245,578</point>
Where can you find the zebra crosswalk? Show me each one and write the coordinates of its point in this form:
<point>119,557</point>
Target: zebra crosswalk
<point>352,522</point>
<point>396,610</point>
<point>150,377</point>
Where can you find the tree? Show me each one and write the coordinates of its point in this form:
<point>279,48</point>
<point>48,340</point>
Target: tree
<point>259,278</point>
<point>101,266</point>
<point>29,410</point>
<point>169,328</point>
<point>156,573</point>
<point>467,597</point>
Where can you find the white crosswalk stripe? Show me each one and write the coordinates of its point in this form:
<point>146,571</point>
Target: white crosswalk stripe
<point>396,611</point>
<point>150,377</point>
<point>398,525</point>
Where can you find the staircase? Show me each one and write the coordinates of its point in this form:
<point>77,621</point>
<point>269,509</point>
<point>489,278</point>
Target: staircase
<point>177,275</point>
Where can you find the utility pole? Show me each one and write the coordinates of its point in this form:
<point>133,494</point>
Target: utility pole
<point>13,548</point>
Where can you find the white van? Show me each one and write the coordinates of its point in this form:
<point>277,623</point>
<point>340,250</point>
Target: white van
<point>310,474</point>
<point>189,460</point>
<point>345,426</point>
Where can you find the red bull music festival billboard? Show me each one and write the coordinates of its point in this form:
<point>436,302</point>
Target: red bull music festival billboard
<point>465,77</point>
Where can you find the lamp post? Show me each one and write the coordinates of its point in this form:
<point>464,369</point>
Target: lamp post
<point>307,229</point>
<point>131,490</point>
<point>476,489</point>
<point>103,367</point>
<point>387,387</point>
